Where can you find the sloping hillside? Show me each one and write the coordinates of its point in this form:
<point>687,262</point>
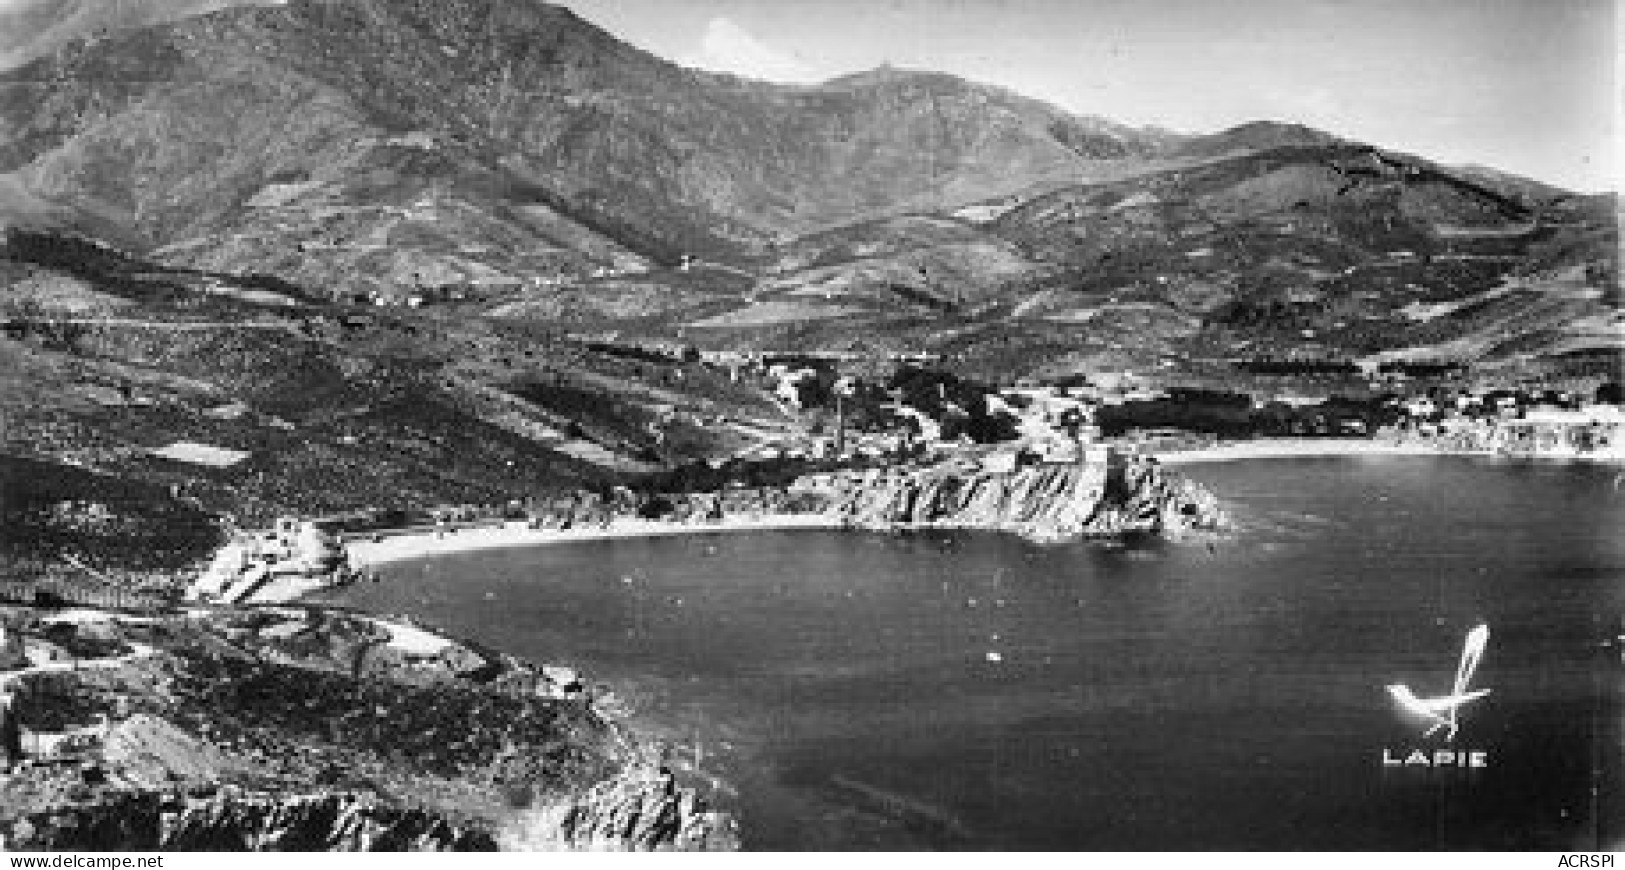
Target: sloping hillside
<point>491,141</point>
<point>105,358</point>
<point>1330,251</point>
<point>514,157</point>
<point>31,28</point>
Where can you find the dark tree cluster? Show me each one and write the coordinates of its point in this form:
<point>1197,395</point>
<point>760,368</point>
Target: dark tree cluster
<point>1298,367</point>
<point>48,509</point>
<point>1231,415</point>
<point>1424,368</point>
<point>959,405</point>
<point>752,474</point>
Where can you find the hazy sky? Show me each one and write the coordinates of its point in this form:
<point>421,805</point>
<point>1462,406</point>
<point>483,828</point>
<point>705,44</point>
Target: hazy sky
<point>1522,85</point>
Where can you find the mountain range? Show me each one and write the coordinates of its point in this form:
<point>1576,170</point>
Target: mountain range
<point>524,174</point>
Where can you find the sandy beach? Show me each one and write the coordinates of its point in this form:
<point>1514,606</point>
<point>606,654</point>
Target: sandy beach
<point>1286,448</point>
<point>366,553</point>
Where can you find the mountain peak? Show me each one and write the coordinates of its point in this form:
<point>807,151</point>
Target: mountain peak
<point>887,74</point>
<point>1260,135</point>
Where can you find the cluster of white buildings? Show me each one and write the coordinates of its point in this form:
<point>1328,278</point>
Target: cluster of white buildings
<point>294,547</point>
<point>1593,432</point>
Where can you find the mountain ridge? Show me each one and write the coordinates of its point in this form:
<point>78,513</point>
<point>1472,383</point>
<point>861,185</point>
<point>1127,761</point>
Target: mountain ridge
<point>467,250</point>
<point>380,149</point>
<point>723,165</point>
<point>31,28</point>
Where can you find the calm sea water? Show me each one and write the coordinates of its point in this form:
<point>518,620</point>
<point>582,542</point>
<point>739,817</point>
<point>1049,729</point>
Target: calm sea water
<point>872,691</point>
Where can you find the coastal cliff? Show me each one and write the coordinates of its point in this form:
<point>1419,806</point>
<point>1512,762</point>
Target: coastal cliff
<point>632,811</point>
<point>640,810</point>
<point>1041,502</point>
<point>145,821</point>
<point>315,729</point>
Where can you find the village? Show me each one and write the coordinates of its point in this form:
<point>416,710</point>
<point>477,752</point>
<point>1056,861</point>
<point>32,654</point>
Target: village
<point>930,421</point>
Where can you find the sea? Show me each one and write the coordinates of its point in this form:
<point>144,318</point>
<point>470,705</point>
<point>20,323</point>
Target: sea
<point>936,690</point>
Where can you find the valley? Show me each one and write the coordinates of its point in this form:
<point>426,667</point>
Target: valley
<point>410,266</point>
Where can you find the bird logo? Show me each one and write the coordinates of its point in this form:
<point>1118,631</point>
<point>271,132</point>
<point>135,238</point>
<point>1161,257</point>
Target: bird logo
<point>1441,710</point>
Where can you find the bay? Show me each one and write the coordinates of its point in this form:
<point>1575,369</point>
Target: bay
<point>973,690</point>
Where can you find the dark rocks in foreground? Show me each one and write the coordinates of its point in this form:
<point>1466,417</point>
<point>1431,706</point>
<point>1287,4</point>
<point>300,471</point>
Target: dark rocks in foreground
<point>219,731</point>
<point>226,822</point>
<point>634,811</point>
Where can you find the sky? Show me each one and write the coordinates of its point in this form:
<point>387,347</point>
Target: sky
<point>1526,86</point>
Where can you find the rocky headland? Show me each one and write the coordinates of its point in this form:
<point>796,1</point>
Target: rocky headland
<point>313,728</point>
<point>305,726</point>
<point>1044,502</point>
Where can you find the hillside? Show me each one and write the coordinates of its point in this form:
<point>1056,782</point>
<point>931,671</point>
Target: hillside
<point>395,263</point>
<point>515,156</point>
<point>468,140</point>
<point>31,28</point>
<point>107,358</point>
<point>368,242</point>
<point>1325,251</point>
<point>1254,136</point>
<point>315,729</point>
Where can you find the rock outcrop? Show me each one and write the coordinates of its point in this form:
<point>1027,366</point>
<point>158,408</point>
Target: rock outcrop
<point>1042,502</point>
<point>229,821</point>
<point>636,810</point>
<point>639,810</point>
<point>262,730</point>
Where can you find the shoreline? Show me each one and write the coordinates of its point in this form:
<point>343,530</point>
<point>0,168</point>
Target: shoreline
<point>1288,448</point>
<point>366,553</point>
<point>422,543</point>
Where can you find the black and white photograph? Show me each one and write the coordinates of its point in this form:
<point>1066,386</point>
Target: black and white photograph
<point>1041,426</point>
